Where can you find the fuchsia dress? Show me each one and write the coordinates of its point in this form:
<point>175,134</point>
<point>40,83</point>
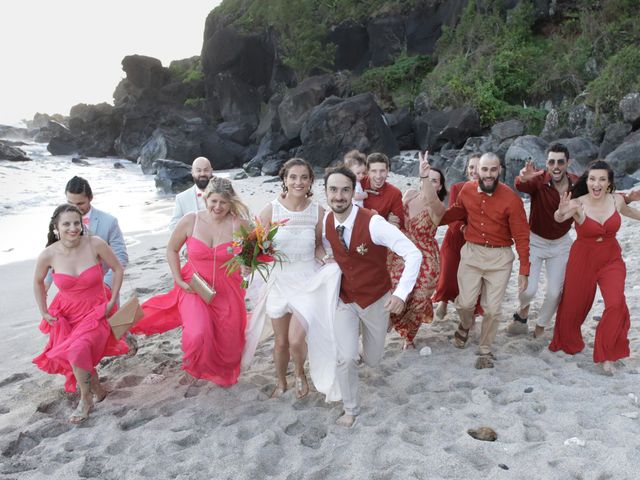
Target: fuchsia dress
<point>81,335</point>
<point>213,335</point>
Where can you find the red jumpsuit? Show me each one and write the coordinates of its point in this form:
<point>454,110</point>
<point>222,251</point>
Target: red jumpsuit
<point>595,260</point>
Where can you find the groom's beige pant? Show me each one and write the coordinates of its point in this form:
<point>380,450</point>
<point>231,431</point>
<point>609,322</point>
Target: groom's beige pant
<point>346,329</point>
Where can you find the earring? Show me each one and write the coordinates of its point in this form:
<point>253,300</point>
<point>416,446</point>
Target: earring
<point>309,193</point>
<point>285,189</point>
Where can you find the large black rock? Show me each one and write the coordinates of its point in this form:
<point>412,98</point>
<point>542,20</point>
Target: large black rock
<point>337,126</point>
<point>434,129</point>
<point>172,176</point>
<point>11,153</point>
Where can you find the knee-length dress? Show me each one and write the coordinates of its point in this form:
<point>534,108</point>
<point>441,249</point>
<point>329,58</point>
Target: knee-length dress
<point>421,230</point>
<point>213,335</point>
<point>81,335</point>
<point>595,260</point>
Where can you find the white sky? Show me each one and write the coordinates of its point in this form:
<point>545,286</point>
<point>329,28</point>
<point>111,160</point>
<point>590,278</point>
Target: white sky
<point>59,53</point>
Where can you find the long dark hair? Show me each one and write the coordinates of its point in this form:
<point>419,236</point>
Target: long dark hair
<point>443,191</point>
<point>295,162</point>
<point>60,209</point>
<point>580,187</point>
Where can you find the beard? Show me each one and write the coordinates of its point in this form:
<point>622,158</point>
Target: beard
<point>340,208</point>
<point>201,182</point>
<point>490,189</point>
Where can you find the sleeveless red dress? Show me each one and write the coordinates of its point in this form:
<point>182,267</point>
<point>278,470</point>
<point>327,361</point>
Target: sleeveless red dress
<point>213,335</point>
<point>81,335</point>
<point>595,260</point>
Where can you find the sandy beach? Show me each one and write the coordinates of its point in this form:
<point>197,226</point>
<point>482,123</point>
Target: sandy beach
<point>556,416</point>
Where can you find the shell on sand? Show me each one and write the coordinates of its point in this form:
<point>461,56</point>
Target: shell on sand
<point>487,434</point>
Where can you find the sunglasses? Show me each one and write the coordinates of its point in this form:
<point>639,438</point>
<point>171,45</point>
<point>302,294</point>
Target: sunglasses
<point>560,162</point>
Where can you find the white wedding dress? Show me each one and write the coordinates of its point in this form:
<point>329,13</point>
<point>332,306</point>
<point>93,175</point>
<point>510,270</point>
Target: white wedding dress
<point>311,292</point>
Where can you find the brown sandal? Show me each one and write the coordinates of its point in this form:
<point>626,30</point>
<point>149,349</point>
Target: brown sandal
<point>460,337</point>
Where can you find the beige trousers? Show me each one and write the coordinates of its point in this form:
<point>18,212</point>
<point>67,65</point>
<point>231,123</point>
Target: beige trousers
<point>483,271</point>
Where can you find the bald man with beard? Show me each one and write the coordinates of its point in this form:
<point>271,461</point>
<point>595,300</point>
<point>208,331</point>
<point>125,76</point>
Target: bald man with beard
<point>192,200</point>
<point>495,219</point>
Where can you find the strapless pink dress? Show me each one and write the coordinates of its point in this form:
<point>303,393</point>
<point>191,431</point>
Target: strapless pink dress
<point>81,336</point>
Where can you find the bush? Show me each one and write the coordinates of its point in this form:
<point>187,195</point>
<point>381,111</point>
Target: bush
<point>620,76</point>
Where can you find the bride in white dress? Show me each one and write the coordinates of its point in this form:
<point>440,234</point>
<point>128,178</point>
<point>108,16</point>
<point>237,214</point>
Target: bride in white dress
<point>301,295</point>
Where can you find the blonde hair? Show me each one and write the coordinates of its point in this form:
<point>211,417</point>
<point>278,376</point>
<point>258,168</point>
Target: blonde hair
<point>354,157</point>
<point>223,187</point>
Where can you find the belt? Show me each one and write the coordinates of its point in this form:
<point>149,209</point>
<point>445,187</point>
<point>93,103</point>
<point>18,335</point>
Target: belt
<point>491,246</point>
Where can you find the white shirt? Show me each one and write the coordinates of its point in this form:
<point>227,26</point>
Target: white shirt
<point>359,189</point>
<point>386,235</point>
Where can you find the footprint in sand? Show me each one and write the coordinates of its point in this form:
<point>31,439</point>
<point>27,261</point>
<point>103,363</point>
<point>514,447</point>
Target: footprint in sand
<point>129,381</point>
<point>313,437</point>
<point>135,419</point>
<point>92,467</point>
<point>16,377</point>
<point>294,428</point>
<point>533,433</point>
<point>188,441</point>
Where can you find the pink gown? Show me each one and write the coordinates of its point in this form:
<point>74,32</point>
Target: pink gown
<point>81,336</point>
<point>213,335</point>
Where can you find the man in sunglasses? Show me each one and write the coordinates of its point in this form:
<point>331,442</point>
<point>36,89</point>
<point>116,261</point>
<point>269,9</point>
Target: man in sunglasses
<point>550,241</point>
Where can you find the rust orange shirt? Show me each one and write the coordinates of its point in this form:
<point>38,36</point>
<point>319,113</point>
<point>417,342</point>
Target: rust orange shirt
<point>493,220</point>
<point>388,200</point>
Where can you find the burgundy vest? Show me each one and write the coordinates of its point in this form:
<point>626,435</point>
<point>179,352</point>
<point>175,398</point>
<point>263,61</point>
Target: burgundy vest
<point>365,277</point>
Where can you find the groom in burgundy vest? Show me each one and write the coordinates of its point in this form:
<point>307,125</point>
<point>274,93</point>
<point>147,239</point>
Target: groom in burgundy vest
<point>359,240</point>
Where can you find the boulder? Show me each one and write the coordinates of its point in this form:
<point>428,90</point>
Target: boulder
<point>386,38</point>
<point>154,149</point>
<point>339,125</point>
<point>435,128</point>
<point>11,153</point>
<point>144,72</point>
<point>528,147</point>
<point>352,45</point>
<point>553,127</point>
<point>10,132</point>
<point>582,122</point>
<point>270,145</point>
<point>222,152</point>
<point>509,129</point>
<point>273,163</point>
<point>297,103</point>
<point>137,128</point>
<point>270,120</point>
<point>614,135</point>
<point>62,142</point>
<point>235,100</point>
<point>172,176</point>
<point>630,108</point>
<point>424,24</point>
<point>408,166</point>
<point>95,128</point>
<point>237,132</point>
<point>89,113</point>
<point>626,158</point>
<point>401,124</point>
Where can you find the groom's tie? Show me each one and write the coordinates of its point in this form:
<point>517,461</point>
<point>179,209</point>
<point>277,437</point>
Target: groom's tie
<point>340,230</point>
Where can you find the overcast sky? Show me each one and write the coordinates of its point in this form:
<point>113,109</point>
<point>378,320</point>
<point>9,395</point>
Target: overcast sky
<point>59,53</point>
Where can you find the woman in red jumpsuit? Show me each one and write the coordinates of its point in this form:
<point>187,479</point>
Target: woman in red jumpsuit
<point>595,260</point>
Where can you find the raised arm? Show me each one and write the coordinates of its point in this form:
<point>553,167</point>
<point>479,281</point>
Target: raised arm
<point>567,208</point>
<point>625,209</point>
<point>429,195</point>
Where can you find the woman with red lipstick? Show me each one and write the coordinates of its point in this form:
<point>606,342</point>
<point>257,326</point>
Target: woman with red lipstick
<point>595,260</point>
<point>76,319</point>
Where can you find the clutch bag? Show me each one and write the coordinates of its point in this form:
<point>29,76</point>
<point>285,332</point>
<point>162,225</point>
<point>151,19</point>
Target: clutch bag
<point>202,288</point>
<point>126,317</point>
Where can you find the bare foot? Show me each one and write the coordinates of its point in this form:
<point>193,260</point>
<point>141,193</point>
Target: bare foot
<point>408,344</point>
<point>101,393</point>
<point>441,311</point>
<point>81,413</point>
<point>302,386</point>
<point>538,332</point>
<point>132,342</point>
<point>278,391</point>
<point>608,368</point>
<point>346,420</point>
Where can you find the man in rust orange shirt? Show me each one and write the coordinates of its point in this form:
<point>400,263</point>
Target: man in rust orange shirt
<point>495,219</point>
<point>382,197</point>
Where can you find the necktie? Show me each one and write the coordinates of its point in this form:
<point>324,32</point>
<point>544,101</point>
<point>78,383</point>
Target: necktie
<point>340,230</point>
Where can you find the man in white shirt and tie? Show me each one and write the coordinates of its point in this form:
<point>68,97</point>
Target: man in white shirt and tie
<point>359,240</point>
<point>191,200</point>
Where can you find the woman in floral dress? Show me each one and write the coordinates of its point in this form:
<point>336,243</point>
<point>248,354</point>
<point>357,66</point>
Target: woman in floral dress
<point>422,212</point>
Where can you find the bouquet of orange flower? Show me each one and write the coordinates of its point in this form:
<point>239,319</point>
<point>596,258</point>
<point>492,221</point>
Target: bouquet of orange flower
<point>254,248</point>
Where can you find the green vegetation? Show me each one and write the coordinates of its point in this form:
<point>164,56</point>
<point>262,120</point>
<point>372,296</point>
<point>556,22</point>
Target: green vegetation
<point>187,73</point>
<point>398,83</point>
<point>503,62</point>
<point>197,103</point>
